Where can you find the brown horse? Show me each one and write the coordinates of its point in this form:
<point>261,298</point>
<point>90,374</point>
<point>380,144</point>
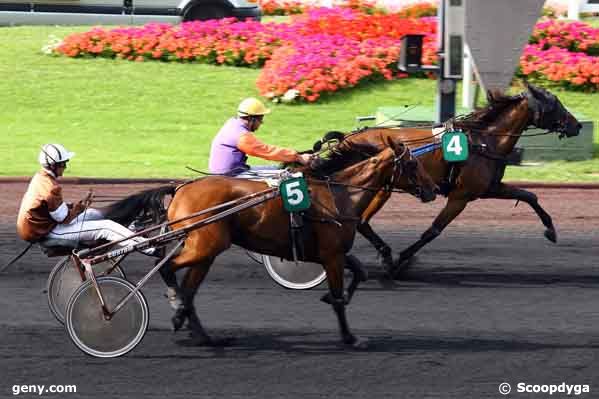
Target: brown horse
<point>328,234</point>
<point>329,224</point>
<point>492,132</point>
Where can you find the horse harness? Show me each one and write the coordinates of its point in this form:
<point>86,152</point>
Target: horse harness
<point>334,216</point>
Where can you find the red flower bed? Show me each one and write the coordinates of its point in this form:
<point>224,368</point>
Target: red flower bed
<point>291,7</point>
<point>324,64</point>
<point>322,51</point>
<point>327,49</point>
<point>563,53</point>
<point>573,36</point>
<point>558,65</point>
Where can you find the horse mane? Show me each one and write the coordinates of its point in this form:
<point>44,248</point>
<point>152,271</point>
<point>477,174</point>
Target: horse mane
<point>480,119</point>
<point>342,156</point>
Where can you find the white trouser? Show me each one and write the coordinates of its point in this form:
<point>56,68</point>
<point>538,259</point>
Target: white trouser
<point>91,226</point>
<point>261,172</point>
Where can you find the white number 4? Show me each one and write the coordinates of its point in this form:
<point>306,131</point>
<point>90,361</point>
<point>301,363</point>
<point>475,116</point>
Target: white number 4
<point>295,196</point>
<point>454,145</point>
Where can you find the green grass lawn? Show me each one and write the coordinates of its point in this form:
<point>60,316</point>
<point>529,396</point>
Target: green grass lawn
<point>594,21</point>
<point>127,119</point>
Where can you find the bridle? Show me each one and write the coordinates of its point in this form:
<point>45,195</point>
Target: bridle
<point>396,173</point>
<point>543,114</point>
<point>398,170</point>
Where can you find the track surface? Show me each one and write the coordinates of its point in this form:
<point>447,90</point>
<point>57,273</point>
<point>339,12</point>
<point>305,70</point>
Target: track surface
<point>490,301</point>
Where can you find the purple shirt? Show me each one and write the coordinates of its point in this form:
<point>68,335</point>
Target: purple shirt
<point>224,154</point>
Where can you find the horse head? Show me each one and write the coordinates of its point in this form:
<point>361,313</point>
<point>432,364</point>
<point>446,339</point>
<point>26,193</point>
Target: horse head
<point>410,175</point>
<point>547,112</point>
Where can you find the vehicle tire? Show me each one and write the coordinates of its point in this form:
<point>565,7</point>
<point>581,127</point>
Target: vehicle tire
<point>303,276</point>
<point>64,279</point>
<point>206,12</point>
<point>91,332</point>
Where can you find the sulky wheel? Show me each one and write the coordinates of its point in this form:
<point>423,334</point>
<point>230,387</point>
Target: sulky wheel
<point>91,332</point>
<point>64,279</point>
<point>300,276</point>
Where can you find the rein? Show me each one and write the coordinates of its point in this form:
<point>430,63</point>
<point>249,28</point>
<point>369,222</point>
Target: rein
<point>397,164</point>
<point>447,125</point>
<point>364,188</point>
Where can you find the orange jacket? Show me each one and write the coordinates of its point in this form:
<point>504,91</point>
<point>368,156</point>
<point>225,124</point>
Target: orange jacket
<point>44,195</point>
<point>249,144</point>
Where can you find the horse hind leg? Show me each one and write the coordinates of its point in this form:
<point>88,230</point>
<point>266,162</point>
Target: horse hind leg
<point>191,282</point>
<point>505,191</point>
<point>198,253</point>
<point>173,291</point>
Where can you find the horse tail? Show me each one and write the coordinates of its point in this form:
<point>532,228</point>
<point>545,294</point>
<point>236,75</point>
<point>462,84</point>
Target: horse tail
<point>143,205</point>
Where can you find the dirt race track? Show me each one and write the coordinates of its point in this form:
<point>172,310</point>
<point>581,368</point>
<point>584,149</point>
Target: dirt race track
<point>488,302</point>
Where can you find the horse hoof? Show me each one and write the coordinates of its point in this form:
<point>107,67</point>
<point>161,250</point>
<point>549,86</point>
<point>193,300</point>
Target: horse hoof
<point>177,323</point>
<point>354,342</point>
<point>178,319</point>
<point>551,235</point>
<point>360,344</point>
<point>402,265</point>
<point>387,262</point>
<point>326,298</point>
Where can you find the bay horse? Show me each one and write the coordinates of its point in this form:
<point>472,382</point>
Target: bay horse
<point>492,133</point>
<point>328,233</point>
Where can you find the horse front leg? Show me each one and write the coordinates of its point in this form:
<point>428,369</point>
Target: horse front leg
<point>384,250</point>
<point>334,269</point>
<point>505,191</point>
<point>452,209</point>
<point>359,274</point>
<point>381,246</point>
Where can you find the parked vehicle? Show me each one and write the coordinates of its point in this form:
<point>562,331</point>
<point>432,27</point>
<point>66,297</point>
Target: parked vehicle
<point>121,12</point>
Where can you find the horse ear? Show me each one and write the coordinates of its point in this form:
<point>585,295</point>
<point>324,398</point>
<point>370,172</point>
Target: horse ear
<point>493,95</point>
<point>317,146</point>
<point>535,91</point>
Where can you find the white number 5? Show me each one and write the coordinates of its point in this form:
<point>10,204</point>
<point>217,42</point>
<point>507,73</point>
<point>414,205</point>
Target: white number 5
<point>295,196</point>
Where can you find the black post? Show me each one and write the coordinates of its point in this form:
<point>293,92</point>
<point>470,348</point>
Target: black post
<point>445,86</point>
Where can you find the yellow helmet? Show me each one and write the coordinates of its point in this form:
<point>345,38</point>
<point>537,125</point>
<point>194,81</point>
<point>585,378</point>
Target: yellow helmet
<point>251,107</point>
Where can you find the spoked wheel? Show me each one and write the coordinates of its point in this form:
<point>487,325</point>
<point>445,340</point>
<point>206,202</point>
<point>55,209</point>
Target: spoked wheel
<point>91,332</point>
<point>64,279</point>
<point>303,276</point>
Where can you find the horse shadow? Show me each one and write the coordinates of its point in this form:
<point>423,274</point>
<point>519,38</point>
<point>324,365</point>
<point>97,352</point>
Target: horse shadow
<point>473,277</point>
<point>255,343</point>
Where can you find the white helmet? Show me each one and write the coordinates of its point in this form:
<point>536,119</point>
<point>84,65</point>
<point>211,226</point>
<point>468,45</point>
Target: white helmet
<point>52,154</point>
